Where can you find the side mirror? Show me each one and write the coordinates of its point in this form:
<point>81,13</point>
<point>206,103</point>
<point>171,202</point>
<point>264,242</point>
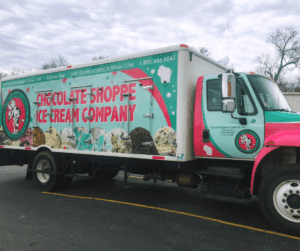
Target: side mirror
<point>228,86</point>
<point>228,92</point>
<point>228,105</point>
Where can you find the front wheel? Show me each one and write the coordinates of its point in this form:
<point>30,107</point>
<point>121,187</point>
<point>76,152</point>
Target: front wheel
<point>279,198</point>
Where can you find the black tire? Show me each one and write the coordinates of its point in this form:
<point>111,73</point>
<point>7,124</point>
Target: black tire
<point>46,161</point>
<point>279,198</point>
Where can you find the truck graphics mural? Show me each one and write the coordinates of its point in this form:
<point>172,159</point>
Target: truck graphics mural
<point>121,107</point>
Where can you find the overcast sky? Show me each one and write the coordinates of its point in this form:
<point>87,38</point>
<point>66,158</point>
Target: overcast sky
<point>33,32</point>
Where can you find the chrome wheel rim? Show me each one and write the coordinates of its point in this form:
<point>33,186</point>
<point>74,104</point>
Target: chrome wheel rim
<point>43,165</point>
<point>286,199</point>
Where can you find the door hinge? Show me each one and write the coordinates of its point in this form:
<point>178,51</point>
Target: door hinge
<point>88,117</point>
<point>151,143</point>
<point>151,115</point>
<point>148,87</point>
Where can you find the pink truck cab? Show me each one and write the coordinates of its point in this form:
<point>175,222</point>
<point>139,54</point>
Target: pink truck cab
<point>245,118</point>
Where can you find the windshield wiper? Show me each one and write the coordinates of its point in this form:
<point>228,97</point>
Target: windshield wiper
<point>280,110</point>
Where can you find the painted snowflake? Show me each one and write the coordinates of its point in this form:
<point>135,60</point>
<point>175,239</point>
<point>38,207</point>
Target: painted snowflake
<point>152,71</point>
<point>169,95</point>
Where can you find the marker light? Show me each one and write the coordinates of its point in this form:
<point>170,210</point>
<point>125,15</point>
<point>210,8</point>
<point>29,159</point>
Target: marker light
<point>184,45</point>
<point>69,66</point>
<point>229,89</point>
<point>252,72</point>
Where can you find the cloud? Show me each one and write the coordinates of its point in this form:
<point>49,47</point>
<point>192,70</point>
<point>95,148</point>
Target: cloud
<point>34,32</point>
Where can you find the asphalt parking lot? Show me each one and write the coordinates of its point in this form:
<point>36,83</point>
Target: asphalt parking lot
<point>114,216</point>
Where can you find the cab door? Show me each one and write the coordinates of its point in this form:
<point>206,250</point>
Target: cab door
<point>231,135</point>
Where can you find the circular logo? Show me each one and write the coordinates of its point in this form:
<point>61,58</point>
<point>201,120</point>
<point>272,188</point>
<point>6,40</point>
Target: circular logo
<point>16,114</point>
<point>247,141</point>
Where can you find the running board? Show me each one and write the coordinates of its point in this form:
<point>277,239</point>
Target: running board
<point>135,184</point>
<point>84,177</point>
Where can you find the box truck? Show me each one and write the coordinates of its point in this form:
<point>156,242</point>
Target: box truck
<point>170,113</point>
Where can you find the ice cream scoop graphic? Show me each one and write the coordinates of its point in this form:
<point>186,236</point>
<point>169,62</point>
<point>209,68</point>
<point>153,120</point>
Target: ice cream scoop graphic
<point>97,138</point>
<point>165,141</point>
<point>120,141</point>
<point>53,138</point>
<point>68,138</point>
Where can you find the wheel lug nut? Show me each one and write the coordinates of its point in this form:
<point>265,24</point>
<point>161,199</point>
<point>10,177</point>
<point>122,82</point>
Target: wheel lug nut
<point>291,191</point>
<point>286,206</point>
<point>292,211</point>
<point>285,195</point>
<point>283,200</point>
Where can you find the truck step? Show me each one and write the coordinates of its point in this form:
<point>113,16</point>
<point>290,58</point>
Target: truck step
<point>79,176</point>
<point>223,198</point>
<point>233,173</point>
<point>135,184</point>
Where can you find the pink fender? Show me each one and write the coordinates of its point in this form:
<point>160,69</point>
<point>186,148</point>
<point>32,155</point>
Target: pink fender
<point>284,138</point>
<point>258,159</point>
<point>272,142</point>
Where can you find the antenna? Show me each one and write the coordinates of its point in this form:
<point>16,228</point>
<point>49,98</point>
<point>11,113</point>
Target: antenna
<point>228,44</point>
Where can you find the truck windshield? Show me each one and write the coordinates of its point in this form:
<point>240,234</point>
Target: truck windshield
<point>268,94</point>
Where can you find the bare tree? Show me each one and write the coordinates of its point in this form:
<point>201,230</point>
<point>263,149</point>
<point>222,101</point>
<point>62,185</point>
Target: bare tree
<point>224,61</point>
<point>287,86</point>
<point>297,85</point>
<point>98,58</point>
<point>207,53</point>
<point>16,72</point>
<point>2,75</point>
<point>54,63</point>
<point>287,56</point>
<point>204,51</point>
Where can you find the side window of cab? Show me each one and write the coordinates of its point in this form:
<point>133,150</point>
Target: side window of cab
<point>214,95</point>
<point>244,102</point>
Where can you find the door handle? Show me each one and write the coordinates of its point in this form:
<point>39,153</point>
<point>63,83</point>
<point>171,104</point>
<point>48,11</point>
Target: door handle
<point>205,136</point>
<point>243,121</point>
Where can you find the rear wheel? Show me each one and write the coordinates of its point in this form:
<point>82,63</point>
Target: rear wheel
<point>279,198</point>
<point>46,162</point>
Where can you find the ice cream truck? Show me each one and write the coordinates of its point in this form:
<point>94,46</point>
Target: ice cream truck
<point>168,114</point>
